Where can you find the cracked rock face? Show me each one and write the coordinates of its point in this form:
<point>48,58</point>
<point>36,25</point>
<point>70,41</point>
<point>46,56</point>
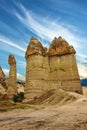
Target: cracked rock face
<point>51,68</point>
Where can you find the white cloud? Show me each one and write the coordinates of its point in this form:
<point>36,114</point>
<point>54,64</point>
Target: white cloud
<point>82,71</point>
<point>83,56</point>
<point>47,29</point>
<point>19,76</point>
<point>9,42</point>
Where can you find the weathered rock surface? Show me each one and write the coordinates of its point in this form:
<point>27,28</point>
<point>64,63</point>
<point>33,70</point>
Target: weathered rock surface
<point>35,47</point>
<point>3,84</point>
<point>64,73</point>
<point>84,90</point>
<point>51,69</point>
<point>2,91</point>
<point>20,87</point>
<point>2,75</point>
<point>59,47</point>
<point>12,86</point>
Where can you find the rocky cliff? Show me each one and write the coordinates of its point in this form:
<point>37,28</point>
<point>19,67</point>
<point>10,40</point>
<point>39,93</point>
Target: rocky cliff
<point>51,69</point>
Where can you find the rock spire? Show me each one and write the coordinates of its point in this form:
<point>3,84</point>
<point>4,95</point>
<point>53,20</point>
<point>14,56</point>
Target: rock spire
<point>12,77</point>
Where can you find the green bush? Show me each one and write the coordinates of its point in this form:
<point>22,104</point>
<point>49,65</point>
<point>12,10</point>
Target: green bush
<point>19,97</point>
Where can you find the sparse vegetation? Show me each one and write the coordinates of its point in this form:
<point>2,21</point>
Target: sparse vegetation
<point>19,97</point>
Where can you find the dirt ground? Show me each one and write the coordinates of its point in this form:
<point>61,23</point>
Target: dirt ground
<point>71,116</point>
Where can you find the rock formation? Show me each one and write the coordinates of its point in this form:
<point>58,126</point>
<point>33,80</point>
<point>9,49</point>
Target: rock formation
<point>63,67</point>
<point>51,69</point>
<point>20,87</point>
<point>2,75</point>
<point>3,84</point>
<point>36,69</point>
<point>12,86</point>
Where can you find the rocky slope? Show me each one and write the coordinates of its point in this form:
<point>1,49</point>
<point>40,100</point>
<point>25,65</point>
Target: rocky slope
<point>60,111</point>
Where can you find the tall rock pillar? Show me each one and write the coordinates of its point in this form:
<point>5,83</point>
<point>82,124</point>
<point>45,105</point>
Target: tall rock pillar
<point>37,68</point>
<point>63,66</point>
<point>12,86</point>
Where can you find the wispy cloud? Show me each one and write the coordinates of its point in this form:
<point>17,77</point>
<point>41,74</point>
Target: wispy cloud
<point>47,29</point>
<point>7,41</point>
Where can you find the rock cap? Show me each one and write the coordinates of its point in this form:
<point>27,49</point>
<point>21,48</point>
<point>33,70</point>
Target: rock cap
<point>34,47</point>
<point>11,60</point>
<point>60,46</point>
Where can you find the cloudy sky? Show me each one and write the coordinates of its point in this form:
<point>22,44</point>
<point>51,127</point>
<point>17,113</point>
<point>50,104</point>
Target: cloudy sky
<point>43,19</point>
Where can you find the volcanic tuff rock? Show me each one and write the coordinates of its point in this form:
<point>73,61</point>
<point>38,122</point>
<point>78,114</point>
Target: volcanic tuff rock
<point>51,69</point>
<point>2,75</point>
<point>11,60</point>
<point>3,83</point>
<point>35,47</point>
<point>12,77</point>
<point>60,47</point>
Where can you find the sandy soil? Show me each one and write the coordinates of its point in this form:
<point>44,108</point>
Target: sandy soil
<point>54,110</point>
<point>72,116</point>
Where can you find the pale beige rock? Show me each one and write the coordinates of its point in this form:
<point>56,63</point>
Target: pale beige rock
<point>84,90</point>
<point>20,88</point>
<point>63,70</point>
<point>37,75</point>
<point>12,85</point>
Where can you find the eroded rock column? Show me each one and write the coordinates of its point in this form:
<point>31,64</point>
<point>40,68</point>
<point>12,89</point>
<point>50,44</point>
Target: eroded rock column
<point>37,69</point>
<point>63,66</point>
<point>12,85</point>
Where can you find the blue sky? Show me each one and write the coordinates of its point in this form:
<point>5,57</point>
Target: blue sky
<point>22,19</point>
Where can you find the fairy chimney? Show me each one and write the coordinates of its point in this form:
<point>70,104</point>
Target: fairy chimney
<point>63,66</point>
<point>12,76</point>
<point>36,68</point>
<point>51,68</point>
